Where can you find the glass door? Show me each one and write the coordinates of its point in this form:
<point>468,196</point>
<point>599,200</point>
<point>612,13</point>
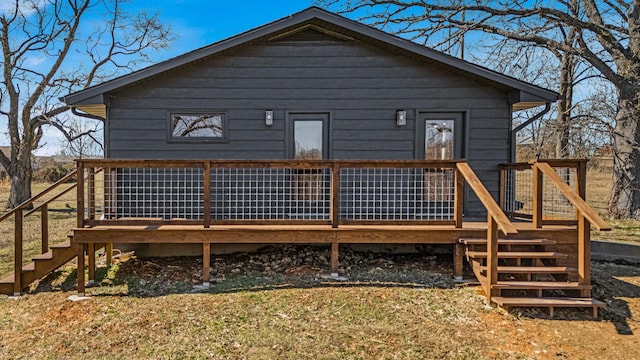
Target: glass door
<point>439,138</point>
<point>309,141</point>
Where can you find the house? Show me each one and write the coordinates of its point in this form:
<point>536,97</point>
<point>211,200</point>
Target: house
<point>318,129</point>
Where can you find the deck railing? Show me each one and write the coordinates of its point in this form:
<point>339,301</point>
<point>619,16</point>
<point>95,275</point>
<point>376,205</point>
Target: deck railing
<point>550,192</point>
<point>269,192</point>
<point>337,192</point>
<point>524,194</point>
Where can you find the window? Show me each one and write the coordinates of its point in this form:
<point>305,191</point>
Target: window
<point>197,126</point>
<point>438,140</point>
<point>308,140</point>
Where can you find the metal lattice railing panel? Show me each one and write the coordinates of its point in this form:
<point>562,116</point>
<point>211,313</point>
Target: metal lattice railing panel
<point>555,204</point>
<point>163,193</point>
<point>270,194</point>
<point>518,194</point>
<point>396,194</point>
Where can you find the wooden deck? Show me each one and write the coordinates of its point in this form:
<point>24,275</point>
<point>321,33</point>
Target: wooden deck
<point>211,202</point>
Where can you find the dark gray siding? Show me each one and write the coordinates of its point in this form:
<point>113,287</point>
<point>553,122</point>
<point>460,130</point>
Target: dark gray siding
<point>362,86</point>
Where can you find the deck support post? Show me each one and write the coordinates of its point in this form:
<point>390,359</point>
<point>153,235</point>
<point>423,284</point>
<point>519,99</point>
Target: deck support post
<point>584,253</point>
<point>80,271</point>
<point>492,256</point>
<point>206,264</point>
<point>334,258</point>
<point>108,249</point>
<point>458,252</point>
<point>91,251</point>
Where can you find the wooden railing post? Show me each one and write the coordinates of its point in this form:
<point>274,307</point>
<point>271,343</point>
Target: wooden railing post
<point>584,251</point>
<point>80,195</point>
<point>581,179</point>
<point>581,182</point>
<point>492,255</point>
<point>44,227</point>
<point>17,263</point>
<point>206,186</point>
<point>537,196</point>
<point>335,195</point>
<point>458,198</point>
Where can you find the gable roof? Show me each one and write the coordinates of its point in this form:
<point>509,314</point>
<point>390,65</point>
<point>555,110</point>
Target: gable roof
<point>524,95</point>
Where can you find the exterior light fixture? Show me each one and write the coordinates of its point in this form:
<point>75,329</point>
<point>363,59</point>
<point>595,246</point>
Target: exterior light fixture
<point>401,118</point>
<point>268,117</point>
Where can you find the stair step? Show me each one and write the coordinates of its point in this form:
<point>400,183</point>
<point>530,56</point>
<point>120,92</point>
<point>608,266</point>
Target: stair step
<point>549,302</point>
<point>7,279</point>
<point>520,254</point>
<point>473,241</point>
<point>64,244</point>
<point>533,269</point>
<point>29,267</point>
<point>45,256</point>
<point>540,285</point>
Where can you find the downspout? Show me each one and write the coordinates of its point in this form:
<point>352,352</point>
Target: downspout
<point>515,131</point>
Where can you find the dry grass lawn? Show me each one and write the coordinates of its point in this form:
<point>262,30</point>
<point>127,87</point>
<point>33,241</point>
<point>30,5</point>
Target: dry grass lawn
<point>237,319</point>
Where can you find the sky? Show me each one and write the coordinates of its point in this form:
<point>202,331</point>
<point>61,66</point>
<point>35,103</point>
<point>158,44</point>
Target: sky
<point>193,23</point>
<point>197,23</point>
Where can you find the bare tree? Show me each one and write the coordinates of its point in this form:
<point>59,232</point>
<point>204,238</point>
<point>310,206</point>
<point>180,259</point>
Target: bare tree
<point>89,145</point>
<point>42,42</point>
<point>607,37</point>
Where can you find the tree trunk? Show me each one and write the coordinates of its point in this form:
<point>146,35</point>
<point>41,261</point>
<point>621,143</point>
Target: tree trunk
<point>625,195</point>
<point>565,102</point>
<point>20,174</point>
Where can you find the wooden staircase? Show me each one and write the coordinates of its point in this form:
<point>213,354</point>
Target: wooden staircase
<point>529,275</point>
<point>43,264</point>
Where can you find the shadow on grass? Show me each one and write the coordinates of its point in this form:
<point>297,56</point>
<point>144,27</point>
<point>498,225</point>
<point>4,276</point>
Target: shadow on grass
<point>610,286</point>
<point>158,277</point>
<point>163,276</point>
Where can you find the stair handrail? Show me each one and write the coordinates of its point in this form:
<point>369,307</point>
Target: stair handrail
<point>54,198</point>
<point>493,209</point>
<point>32,199</point>
<point>587,216</point>
<point>496,220</point>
